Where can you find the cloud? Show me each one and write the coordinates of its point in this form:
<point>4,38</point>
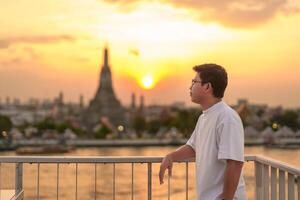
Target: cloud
<point>234,13</point>
<point>125,5</point>
<point>31,52</point>
<point>13,60</point>
<point>231,13</point>
<point>6,42</point>
<point>10,62</point>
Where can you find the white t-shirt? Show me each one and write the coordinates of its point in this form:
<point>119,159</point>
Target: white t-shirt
<point>218,135</point>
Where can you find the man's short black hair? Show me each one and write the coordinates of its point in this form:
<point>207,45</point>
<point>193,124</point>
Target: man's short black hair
<point>214,74</point>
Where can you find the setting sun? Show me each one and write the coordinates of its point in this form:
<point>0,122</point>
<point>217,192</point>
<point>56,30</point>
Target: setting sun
<point>147,82</point>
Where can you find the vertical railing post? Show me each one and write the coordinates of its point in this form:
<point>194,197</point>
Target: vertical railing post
<point>266,182</point>
<point>291,186</point>
<point>132,181</point>
<point>114,181</point>
<point>298,186</point>
<point>0,179</point>
<point>258,181</point>
<point>274,183</point>
<point>169,186</point>
<point>95,184</point>
<point>57,181</point>
<point>186,180</point>
<point>19,178</point>
<point>149,181</point>
<point>281,185</point>
<point>38,182</point>
<point>76,180</point>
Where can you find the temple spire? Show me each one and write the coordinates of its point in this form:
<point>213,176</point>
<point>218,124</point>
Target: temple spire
<point>105,102</point>
<point>105,63</point>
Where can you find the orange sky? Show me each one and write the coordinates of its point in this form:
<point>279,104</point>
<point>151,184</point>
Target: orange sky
<point>50,46</point>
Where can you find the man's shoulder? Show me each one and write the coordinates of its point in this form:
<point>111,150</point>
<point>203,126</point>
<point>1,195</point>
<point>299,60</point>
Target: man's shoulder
<point>228,115</point>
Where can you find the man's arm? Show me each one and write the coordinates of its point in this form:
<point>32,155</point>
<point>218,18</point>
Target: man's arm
<point>231,178</point>
<point>183,152</point>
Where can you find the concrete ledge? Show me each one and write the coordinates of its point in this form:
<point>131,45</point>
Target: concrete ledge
<point>10,195</point>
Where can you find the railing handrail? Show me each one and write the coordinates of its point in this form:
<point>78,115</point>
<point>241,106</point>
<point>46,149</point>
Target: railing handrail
<point>135,159</point>
<point>275,163</point>
<point>85,159</point>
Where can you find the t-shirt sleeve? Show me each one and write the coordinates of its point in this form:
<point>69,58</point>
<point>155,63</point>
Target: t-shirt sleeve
<point>192,141</point>
<point>230,141</point>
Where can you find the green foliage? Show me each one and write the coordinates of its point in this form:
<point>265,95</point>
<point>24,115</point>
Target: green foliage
<point>5,123</point>
<point>139,124</point>
<point>78,131</point>
<point>102,132</point>
<point>154,125</point>
<point>22,127</point>
<point>49,124</point>
<point>183,120</point>
<point>63,126</point>
<point>46,124</point>
<point>288,118</point>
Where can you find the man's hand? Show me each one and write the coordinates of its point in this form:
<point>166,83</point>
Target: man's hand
<point>167,163</point>
<point>183,152</point>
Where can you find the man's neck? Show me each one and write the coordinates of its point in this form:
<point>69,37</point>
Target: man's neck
<point>209,103</point>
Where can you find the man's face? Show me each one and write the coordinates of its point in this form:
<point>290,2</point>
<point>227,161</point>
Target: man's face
<point>198,89</point>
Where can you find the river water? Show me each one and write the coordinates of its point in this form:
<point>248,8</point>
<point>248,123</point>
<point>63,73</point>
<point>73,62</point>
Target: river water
<point>86,175</point>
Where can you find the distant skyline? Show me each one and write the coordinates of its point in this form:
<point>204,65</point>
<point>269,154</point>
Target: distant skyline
<point>57,46</point>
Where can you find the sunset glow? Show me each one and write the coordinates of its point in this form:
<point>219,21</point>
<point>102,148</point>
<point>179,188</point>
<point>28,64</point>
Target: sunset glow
<point>153,45</point>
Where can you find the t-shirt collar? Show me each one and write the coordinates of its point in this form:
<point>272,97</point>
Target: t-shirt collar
<point>213,108</point>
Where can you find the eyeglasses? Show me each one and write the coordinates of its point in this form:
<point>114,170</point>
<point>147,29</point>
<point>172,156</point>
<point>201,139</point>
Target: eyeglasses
<point>196,81</point>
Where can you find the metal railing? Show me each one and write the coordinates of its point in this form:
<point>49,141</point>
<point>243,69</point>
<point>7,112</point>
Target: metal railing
<point>270,179</point>
<point>270,175</point>
<point>39,160</point>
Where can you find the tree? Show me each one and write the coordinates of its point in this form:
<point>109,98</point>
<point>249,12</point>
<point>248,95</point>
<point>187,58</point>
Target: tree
<point>154,125</point>
<point>5,123</point>
<point>185,121</point>
<point>46,124</point>
<point>288,118</point>
<point>102,132</point>
<point>139,124</point>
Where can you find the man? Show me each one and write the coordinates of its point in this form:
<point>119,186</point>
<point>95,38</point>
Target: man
<point>217,142</point>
